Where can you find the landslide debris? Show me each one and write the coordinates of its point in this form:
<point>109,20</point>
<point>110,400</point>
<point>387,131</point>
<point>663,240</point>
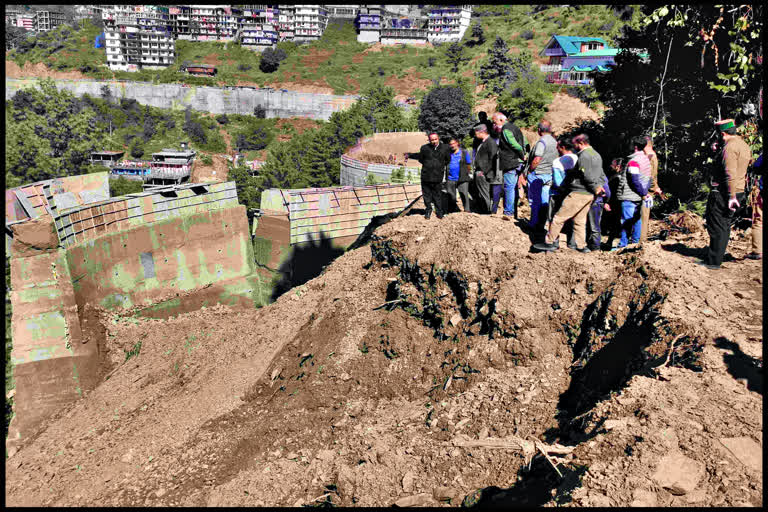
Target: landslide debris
<point>431,367</point>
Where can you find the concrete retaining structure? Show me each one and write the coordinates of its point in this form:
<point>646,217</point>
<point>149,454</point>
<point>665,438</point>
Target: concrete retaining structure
<point>216,100</point>
<point>354,172</point>
<point>166,251</point>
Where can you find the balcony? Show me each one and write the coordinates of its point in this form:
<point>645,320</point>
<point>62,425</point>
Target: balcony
<point>551,68</point>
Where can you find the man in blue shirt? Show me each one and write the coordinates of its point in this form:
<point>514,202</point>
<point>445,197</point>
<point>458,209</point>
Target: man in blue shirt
<point>458,174</point>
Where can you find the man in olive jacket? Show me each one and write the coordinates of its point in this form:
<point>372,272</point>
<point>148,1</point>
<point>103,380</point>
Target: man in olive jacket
<point>583,184</point>
<point>434,158</point>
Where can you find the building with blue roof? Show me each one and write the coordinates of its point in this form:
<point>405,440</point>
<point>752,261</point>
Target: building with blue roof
<point>572,59</point>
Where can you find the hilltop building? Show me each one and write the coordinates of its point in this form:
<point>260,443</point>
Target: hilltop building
<point>573,59</point>
<point>310,22</point>
<point>138,37</point>
<point>403,24</point>
<point>343,11</point>
<point>48,20</point>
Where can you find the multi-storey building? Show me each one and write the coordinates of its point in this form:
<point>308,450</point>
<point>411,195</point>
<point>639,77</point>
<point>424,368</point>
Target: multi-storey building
<point>47,20</point>
<point>138,36</point>
<point>368,24</point>
<point>404,31</point>
<point>310,22</point>
<point>343,11</point>
<point>448,23</point>
<point>285,22</point>
<point>26,21</point>
<point>259,25</point>
<point>11,16</point>
<point>86,11</point>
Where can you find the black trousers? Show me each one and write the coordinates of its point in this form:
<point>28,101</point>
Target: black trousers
<point>718,218</point>
<point>450,189</point>
<point>431,193</point>
<point>594,236</point>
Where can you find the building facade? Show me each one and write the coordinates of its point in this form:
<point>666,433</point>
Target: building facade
<point>310,22</point>
<point>138,37</point>
<point>404,24</point>
<point>48,20</point>
<point>448,23</point>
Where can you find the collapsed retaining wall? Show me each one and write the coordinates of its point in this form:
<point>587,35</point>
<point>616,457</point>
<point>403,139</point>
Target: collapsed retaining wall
<point>148,250</point>
<point>355,171</point>
<point>216,100</point>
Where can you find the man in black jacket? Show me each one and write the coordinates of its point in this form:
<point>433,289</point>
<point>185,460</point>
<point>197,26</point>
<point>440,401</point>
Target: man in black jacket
<point>485,166</point>
<point>434,158</point>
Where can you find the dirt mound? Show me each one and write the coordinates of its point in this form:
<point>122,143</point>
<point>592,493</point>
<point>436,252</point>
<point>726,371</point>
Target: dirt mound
<point>433,366</point>
<point>685,222</point>
<point>39,70</point>
<point>217,171</point>
<point>565,111</point>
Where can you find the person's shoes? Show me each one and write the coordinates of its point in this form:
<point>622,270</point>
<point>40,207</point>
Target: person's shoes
<point>439,215</point>
<point>754,256</point>
<point>428,215</point>
<point>506,217</point>
<point>545,247</point>
<point>707,265</point>
<point>583,249</point>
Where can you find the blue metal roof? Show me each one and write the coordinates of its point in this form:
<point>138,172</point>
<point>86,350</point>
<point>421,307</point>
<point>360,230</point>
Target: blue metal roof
<point>572,44</point>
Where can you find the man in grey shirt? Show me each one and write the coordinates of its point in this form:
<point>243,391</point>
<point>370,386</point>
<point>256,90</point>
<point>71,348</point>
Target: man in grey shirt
<point>540,178</point>
<point>582,185</point>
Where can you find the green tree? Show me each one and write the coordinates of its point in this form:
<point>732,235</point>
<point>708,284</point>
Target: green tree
<point>525,101</point>
<point>445,112</point>
<point>496,70</point>
<point>478,33</point>
<point>682,87</point>
<point>456,56</point>
<point>248,192</point>
<point>123,186</point>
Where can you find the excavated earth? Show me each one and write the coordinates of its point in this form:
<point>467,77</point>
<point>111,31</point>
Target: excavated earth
<point>442,364</point>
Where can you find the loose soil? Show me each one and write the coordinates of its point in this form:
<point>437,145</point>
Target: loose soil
<point>39,70</point>
<point>420,369</point>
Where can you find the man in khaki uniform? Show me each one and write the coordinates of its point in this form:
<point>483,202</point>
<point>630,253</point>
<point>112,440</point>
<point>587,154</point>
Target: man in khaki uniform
<point>727,192</point>
<point>645,212</point>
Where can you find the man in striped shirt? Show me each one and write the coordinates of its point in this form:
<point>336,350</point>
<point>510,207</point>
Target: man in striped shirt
<point>633,187</point>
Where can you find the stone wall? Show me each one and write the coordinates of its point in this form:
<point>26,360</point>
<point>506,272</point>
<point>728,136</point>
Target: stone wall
<point>217,100</point>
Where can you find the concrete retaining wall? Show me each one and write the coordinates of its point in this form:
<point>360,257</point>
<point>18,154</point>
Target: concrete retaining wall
<point>354,172</point>
<point>217,100</point>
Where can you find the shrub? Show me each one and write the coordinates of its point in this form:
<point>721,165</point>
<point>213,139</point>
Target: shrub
<point>445,111</point>
<point>206,159</point>
<point>527,35</point>
<point>259,112</point>
<point>244,67</point>
<point>137,150</point>
<point>222,119</point>
<point>430,62</point>
<point>122,186</point>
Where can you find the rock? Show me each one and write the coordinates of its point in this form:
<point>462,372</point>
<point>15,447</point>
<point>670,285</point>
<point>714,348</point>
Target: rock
<point>643,498</point>
<point>745,450</point>
<point>128,457</point>
<point>292,455</point>
<point>455,319</point>
<point>599,500</point>
<point>696,496</point>
<point>445,493</point>
<point>417,500</point>
<point>612,424</point>
<point>678,474</point>
<point>408,480</point>
<point>160,493</point>
<point>483,433</point>
<point>326,455</point>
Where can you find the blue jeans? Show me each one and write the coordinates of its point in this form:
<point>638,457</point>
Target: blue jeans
<point>510,191</point>
<point>630,223</point>
<point>538,197</point>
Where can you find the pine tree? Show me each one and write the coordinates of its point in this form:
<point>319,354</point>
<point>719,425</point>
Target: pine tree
<point>445,112</point>
<point>456,56</point>
<point>496,71</point>
<point>478,33</point>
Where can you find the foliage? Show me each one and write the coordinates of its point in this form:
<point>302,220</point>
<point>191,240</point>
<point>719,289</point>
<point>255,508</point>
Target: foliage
<point>49,134</point>
<point>526,35</point>
<point>123,186</point>
<point>222,119</point>
<point>495,71</point>
<point>137,150</point>
<point>270,60</point>
<point>682,89</point>
<point>456,56</point>
<point>248,192</point>
<point>206,159</point>
<point>445,111</point>
<point>478,33</point>
<point>526,100</point>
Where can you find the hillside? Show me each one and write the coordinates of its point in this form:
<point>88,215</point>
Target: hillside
<point>336,63</point>
<point>429,368</point>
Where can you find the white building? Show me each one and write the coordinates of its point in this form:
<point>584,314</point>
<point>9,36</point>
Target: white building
<point>448,23</point>
<point>138,37</point>
<point>310,22</point>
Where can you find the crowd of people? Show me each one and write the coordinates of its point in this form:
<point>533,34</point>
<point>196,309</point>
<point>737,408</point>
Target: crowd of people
<point>567,186</point>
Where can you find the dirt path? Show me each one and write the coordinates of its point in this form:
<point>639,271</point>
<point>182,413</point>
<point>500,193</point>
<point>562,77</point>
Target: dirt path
<point>391,377</point>
<point>39,70</point>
